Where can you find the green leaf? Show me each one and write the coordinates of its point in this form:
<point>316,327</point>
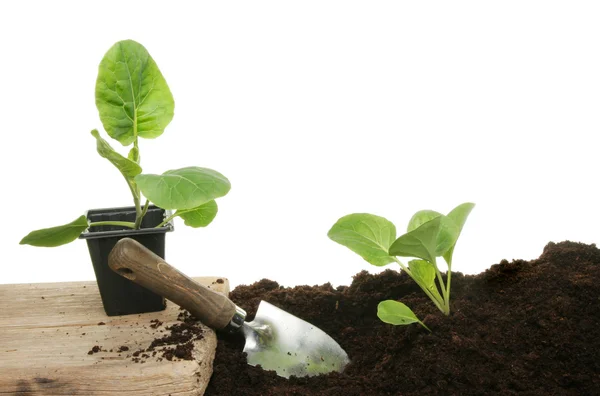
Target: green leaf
<point>396,313</point>
<point>126,166</point>
<point>420,242</point>
<point>367,235</point>
<point>201,216</point>
<point>184,188</point>
<point>460,213</point>
<point>448,232</point>
<point>134,155</point>
<point>56,236</point>
<point>423,272</point>
<point>420,218</point>
<point>459,216</point>
<point>132,96</point>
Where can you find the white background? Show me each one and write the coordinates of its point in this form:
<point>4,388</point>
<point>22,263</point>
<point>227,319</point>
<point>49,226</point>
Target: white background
<point>313,110</point>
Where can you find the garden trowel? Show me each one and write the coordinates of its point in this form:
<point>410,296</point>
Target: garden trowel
<point>275,339</point>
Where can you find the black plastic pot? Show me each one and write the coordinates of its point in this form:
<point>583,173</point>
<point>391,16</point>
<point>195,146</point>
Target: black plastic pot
<point>120,296</point>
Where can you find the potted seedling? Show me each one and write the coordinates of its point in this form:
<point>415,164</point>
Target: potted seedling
<point>429,235</point>
<point>134,101</point>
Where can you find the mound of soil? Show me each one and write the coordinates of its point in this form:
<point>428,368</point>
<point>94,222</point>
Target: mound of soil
<point>519,328</point>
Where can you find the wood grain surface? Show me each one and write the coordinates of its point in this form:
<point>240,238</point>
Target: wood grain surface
<point>48,329</point>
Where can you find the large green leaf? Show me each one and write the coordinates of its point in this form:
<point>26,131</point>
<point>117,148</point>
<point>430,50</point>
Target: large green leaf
<point>424,273</point>
<point>132,96</point>
<point>126,166</point>
<point>56,236</point>
<point>396,313</point>
<point>447,234</point>
<point>184,188</point>
<point>459,216</point>
<point>420,242</point>
<point>367,235</point>
<point>201,216</point>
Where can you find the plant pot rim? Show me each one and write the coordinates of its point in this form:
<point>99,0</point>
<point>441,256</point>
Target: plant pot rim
<point>87,234</point>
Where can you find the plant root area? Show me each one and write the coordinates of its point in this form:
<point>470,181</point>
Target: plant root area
<point>519,328</point>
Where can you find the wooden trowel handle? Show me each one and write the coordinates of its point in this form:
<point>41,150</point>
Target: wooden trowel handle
<point>135,262</point>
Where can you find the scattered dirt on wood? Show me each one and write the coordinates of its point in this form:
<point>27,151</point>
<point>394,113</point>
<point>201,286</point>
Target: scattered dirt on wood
<point>519,328</point>
<point>155,323</point>
<point>181,351</point>
<point>179,343</point>
<point>95,349</point>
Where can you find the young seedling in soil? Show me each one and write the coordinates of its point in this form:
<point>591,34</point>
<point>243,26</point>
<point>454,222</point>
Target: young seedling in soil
<point>429,235</point>
<point>523,328</point>
<point>134,101</point>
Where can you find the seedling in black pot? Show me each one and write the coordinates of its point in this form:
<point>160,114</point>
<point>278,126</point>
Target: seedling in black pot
<point>134,101</point>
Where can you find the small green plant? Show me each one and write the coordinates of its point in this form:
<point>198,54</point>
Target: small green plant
<point>429,235</point>
<point>134,101</point>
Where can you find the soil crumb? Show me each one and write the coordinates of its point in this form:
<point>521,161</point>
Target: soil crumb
<point>95,349</point>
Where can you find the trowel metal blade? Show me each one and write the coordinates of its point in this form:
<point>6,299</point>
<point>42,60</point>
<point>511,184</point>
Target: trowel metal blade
<point>279,341</point>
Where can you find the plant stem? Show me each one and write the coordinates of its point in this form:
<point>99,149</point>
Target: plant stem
<point>146,205</point>
<point>135,191</point>
<point>177,213</point>
<point>114,223</point>
<point>137,149</point>
<point>136,196</point>
<point>439,304</point>
<point>170,218</point>
<point>423,324</point>
<point>448,279</point>
<point>138,219</point>
<point>446,310</point>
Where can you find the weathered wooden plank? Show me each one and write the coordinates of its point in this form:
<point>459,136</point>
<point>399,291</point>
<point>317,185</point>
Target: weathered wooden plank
<point>48,329</point>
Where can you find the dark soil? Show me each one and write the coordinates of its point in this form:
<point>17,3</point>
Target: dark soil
<point>519,328</point>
